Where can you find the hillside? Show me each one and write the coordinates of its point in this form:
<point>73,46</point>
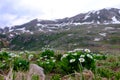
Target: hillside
<point>94,29</point>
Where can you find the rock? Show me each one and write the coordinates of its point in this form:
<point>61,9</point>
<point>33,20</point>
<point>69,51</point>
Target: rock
<point>35,69</point>
<point>9,75</point>
<point>104,79</point>
<point>88,75</point>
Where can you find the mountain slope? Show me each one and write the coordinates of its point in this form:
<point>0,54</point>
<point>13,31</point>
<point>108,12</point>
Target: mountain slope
<point>96,29</point>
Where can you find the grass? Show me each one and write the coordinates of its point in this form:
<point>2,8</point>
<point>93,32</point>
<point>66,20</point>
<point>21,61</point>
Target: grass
<point>108,68</point>
<point>78,36</point>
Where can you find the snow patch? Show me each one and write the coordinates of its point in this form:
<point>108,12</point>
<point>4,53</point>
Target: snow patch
<point>98,22</point>
<point>50,30</point>
<point>11,35</point>
<point>98,12</point>
<point>70,34</point>
<point>22,29</point>
<point>27,31</point>
<point>31,32</point>
<point>93,11</point>
<point>77,23</point>
<point>98,17</point>
<point>115,20</point>
<point>108,28</point>
<point>10,30</point>
<point>119,11</point>
<point>40,29</point>
<point>102,34</point>
<point>88,22</point>
<point>87,16</point>
<point>97,39</point>
<point>38,24</point>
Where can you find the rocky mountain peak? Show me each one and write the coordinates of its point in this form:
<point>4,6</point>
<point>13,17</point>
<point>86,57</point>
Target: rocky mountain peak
<point>103,16</point>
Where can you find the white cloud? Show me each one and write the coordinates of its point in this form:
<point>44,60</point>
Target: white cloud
<point>24,10</point>
<point>65,8</point>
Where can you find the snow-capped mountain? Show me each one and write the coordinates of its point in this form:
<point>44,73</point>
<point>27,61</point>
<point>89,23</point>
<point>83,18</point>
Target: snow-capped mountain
<point>103,16</point>
<point>99,27</point>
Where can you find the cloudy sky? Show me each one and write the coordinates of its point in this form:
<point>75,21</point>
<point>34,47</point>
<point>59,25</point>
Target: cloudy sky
<point>15,12</point>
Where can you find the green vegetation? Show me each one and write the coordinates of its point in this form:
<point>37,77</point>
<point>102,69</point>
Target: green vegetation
<point>20,64</point>
<point>61,64</point>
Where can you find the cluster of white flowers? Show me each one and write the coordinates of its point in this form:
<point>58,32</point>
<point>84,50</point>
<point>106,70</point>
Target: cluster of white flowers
<point>41,57</point>
<point>82,55</point>
<point>3,61</point>
<point>20,63</point>
<point>87,50</point>
<point>46,56</point>
<point>72,60</point>
<point>38,59</point>
<point>52,57</point>
<point>74,54</point>
<point>21,53</point>
<point>3,64</point>
<point>47,62</point>
<point>11,54</point>
<point>81,59</point>
<point>78,49</point>
<point>53,60</point>
<point>70,51</point>
<point>14,55</point>
<point>26,51</point>
<point>30,57</point>
<point>90,56</point>
<point>65,55</point>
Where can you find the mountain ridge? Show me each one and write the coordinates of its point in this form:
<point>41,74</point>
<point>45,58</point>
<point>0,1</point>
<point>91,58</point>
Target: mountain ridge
<point>102,16</point>
<point>92,29</point>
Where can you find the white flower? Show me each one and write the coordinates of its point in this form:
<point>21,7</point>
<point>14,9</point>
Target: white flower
<point>52,57</point>
<point>88,55</point>
<point>21,53</point>
<point>11,54</point>
<point>70,51</point>
<point>3,64</point>
<point>54,60</point>
<point>20,63</point>
<point>30,57</point>
<point>46,59</point>
<point>38,59</point>
<point>82,55</point>
<point>61,58</point>
<point>72,60</point>
<point>65,55</point>
<point>16,55</point>
<point>45,56</point>
<point>41,57</point>
<point>78,49</point>
<point>74,54</point>
<point>47,62</point>
<point>3,61</point>
<point>27,51</point>
<point>81,59</point>
<point>87,50</point>
<point>98,55</point>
